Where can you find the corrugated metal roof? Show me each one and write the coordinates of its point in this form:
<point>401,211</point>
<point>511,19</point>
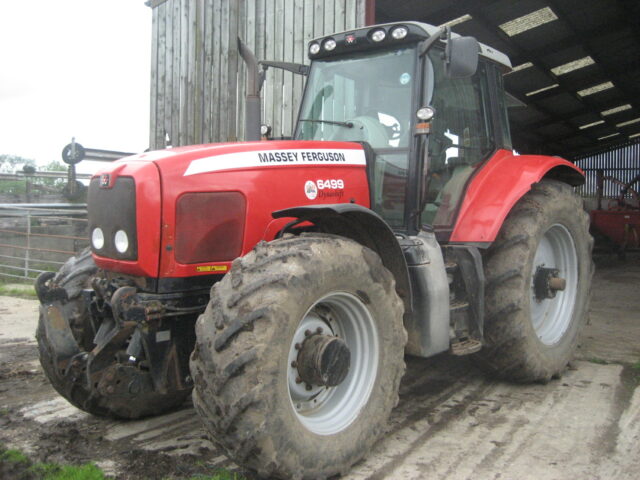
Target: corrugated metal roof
<point>589,49</point>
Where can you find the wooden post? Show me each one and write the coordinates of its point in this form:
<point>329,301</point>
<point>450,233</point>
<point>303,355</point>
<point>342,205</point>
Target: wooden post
<point>370,12</point>
<point>27,251</point>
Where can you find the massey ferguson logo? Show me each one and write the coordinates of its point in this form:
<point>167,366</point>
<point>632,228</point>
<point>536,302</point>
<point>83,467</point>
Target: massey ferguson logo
<point>333,188</point>
<point>105,180</point>
<point>310,190</point>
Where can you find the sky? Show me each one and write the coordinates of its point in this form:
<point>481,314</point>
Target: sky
<point>74,68</point>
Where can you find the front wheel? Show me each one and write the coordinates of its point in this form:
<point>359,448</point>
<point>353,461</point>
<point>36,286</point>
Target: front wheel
<point>299,356</point>
<point>72,310</point>
<point>538,274</point>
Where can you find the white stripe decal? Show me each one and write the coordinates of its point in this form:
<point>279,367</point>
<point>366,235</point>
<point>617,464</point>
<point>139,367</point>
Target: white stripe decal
<point>274,158</point>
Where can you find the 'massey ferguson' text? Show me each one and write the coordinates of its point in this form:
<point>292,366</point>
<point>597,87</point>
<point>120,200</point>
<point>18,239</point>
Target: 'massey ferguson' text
<point>272,157</point>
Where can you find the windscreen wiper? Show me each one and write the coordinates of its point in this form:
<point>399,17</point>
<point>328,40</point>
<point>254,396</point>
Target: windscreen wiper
<point>331,122</point>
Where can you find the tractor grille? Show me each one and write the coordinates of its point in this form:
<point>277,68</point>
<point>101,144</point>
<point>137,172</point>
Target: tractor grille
<point>113,209</point>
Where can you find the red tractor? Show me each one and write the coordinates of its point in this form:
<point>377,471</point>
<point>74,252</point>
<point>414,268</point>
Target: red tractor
<point>284,281</point>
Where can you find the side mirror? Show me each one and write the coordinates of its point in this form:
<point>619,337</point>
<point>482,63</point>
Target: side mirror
<point>461,57</point>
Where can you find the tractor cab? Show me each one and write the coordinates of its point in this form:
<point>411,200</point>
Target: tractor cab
<point>430,109</point>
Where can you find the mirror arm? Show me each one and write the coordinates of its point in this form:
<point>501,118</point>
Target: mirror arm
<point>447,49</point>
<point>429,42</point>
<point>297,68</point>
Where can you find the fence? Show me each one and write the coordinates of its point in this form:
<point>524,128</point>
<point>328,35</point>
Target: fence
<point>35,238</point>
<point>40,187</point>
<point>622,163</point>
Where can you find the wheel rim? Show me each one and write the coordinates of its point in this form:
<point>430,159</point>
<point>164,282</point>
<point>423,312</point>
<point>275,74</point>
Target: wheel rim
<point>328,410</point>
<point>551,317</point>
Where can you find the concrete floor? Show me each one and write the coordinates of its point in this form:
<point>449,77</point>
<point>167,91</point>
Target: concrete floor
<point>452,421</point>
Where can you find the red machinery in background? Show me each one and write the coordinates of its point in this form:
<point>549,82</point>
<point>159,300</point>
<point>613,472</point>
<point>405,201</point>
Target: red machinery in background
<point>618,221</point>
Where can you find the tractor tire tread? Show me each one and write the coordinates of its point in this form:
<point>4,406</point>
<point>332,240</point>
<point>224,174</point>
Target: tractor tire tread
<point>232,372</point>
<point>510,351</point>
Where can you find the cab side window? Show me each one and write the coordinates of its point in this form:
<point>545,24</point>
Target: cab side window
<point>503,111</point>
<point>461,138</point>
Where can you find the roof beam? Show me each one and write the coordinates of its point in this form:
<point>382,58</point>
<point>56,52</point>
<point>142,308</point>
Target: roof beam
<point>562,83</point>
<point>484,21</point>
<point>631,98</point>
<point>571,43</point>
<point>625,16</point>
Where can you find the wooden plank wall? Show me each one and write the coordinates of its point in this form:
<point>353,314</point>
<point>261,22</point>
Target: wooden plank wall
<point>198,79</point>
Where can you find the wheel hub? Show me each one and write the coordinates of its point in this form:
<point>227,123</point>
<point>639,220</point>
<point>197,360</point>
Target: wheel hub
<point>551,312</point>
<point>546,283</point>
<point>323,360</point>
<point>335,348</point>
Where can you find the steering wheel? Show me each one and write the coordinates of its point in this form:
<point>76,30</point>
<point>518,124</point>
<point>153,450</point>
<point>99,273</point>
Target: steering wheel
<point>365,129</point>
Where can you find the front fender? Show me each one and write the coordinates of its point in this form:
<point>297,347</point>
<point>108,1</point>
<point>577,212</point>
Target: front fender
<point>364,226</point>
<point>496,188</point>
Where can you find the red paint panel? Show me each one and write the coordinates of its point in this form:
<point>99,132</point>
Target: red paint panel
<point>495,189</point>
<point>210,227</point>
<point>622,227</point>
<point>267,188</point>
<point>148,206</point>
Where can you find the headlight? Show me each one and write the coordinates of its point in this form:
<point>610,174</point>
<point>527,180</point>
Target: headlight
<point>121,241</point>
<point>425,113</point>
<point>399,33</point>
<point>378,35</point>
<point>265,130</point>
<point>97,238</point>
<point>329,44</point>
<point>314,48</point>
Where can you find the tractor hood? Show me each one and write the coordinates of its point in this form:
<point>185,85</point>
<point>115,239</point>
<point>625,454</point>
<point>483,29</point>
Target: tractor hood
<point>206,205</point>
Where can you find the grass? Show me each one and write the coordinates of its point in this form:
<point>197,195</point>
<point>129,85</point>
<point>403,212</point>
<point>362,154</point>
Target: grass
<point>69,472</point>
<point>13,456</point>
<point>599,361</point>
<point>17,290</point>
<point>15,464</point>
<point>636,366</point>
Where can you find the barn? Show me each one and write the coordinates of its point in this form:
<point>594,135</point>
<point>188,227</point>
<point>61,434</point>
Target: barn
<point>575,79</point>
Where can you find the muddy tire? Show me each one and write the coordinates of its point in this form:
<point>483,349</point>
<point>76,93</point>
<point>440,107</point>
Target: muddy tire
<point>533,320</point>
<point>278,300</point>
<point>72,278</point>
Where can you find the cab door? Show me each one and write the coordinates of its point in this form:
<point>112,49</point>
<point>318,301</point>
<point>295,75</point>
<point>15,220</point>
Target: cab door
<point>460,140</point>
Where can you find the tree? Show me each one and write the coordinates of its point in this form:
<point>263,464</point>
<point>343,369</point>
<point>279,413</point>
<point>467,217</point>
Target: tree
<point>11,163</point>
<point>55,166</point>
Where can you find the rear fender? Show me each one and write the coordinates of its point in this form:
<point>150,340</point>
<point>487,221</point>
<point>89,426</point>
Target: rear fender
<point>364,226</point>
<point>496,188</point>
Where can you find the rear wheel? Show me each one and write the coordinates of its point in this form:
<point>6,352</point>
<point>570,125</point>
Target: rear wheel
<point>538,279</point>
<point>299,356</point>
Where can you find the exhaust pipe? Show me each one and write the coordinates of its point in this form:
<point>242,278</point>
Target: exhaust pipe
<point>252,100</point>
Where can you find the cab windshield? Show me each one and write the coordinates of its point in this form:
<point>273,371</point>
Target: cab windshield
<point>366,97</point>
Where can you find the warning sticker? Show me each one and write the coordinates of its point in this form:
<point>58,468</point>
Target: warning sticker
<point>270,158</point>
<point>212,268</point>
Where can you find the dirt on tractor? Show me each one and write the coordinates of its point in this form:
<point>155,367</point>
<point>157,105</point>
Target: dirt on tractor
<point>452,420</point>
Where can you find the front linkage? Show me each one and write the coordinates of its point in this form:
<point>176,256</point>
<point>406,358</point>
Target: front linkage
<point>109,347</point>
